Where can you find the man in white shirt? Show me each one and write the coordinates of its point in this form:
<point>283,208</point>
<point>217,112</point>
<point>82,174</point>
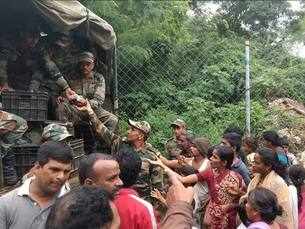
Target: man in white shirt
<point>28,206</point>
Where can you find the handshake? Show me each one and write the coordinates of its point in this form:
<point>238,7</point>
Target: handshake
<point>73,98</point>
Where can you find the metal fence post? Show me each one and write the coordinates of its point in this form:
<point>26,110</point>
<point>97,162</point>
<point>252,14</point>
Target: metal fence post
<point>115,79</point>
<point>247,88</point>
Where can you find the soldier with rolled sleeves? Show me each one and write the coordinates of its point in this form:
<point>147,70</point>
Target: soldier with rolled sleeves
<point>12,128</point>
<point>89,85</point>
<point>151,176</point>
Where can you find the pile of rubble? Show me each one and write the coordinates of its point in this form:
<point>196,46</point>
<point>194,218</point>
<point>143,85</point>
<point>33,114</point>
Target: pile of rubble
<point>294,132</point>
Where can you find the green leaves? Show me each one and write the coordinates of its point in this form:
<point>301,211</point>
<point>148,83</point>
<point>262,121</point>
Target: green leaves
<point>171,64</point>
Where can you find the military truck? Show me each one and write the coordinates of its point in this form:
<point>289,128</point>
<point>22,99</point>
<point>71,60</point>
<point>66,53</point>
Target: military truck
<point>51,17</point>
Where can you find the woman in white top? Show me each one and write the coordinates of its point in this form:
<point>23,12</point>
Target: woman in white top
<point>198,163</point>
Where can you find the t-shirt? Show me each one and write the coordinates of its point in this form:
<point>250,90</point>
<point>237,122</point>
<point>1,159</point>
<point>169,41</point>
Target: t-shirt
<point>135,213</point>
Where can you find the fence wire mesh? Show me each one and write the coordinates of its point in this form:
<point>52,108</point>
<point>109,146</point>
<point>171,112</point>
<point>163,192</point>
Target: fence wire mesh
<point>162,82</point>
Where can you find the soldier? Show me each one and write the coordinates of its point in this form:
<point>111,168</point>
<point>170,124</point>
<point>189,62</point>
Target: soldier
<point>90,85</point>
<point>175,145</point>
<point>12,128</point>
<point>56,62</point>
<point>151,176</point>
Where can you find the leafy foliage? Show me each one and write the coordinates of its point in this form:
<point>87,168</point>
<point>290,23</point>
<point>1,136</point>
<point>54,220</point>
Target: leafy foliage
<point>174,62</point>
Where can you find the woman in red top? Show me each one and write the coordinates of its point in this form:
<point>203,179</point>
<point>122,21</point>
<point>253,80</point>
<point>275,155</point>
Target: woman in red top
<point>221,212</point>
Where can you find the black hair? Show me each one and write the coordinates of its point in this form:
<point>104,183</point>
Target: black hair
<point>273,137</point>
<point>185,142</point>
<point>130,165</point>
<point>54,150</point>
<point>210,151</point>
<point>235,140</point>
<point>269,158</point>
<point>233,129</point>
<point>85,169</point>
<point>85,207</point>
<point>266,203</point>
<point>297,176</point>
<point>284,141</point>
<point>251,142</point>
<point>225,153</point>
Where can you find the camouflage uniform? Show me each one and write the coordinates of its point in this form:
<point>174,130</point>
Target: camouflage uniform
<point>151,176</point>
<point>59,59</point>
<point>15,127</point>
<point>172,148</point>
<point>175,147</point>
<point>57,62</point>
<point>12,127</point>
<point>52,81</point>
<point>93,89</point>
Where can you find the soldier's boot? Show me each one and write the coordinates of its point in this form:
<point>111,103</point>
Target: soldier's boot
<point>9,170</point>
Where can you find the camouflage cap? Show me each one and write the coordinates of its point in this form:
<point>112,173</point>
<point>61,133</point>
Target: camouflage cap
<point>178,122</point>
<point>141,125</point>
<point>55,132</point>
<point>86,57</point>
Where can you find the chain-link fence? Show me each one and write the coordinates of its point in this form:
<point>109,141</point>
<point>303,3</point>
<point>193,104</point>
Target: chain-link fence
<point>199,82</point>
<point>161,83</point>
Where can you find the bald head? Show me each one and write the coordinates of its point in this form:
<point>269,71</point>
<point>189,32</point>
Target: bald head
<point>100,170</point>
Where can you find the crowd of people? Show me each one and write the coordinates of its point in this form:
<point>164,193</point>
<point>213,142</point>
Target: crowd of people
<point>233,184</point>
<point>241,182</point>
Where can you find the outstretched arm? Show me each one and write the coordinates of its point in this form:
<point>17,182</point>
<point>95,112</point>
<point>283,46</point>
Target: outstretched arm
<point>111,140</point>
<point>190,179</point>
<point>173,164</point>
<point>179,199</point>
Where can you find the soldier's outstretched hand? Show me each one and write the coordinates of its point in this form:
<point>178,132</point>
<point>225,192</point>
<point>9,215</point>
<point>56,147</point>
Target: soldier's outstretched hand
<point>70,94</point>
<point>87,108</point>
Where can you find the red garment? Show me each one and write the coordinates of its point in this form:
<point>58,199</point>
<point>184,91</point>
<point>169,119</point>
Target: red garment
<point>302,213</point>
<point>135,213</point>
<point>220,211</point>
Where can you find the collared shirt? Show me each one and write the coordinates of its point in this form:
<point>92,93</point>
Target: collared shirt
<point>19,211</point>
<point>240,167</point>
<point>135,213</point>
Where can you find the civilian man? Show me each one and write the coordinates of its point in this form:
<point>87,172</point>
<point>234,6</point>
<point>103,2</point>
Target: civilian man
<point>28,206</point>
